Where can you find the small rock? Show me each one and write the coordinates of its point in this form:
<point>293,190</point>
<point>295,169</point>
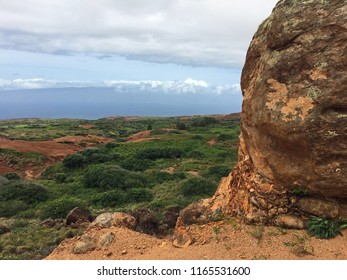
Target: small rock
<point>104,220</point>
<point>318,206</point>
<point>217,214</point>
<point>78,215</point>
<point>106,239</point>
<point>4,229</point>
<point>124,220</point>
<point>195,213</point>
<point>289,221</point>
<point>84,245</point>
<point>252,217</point>
<point>171,216</point>
<point>108,254</point>
<point>146,221</point>
<point>181,241</point>
<point>124,252</point>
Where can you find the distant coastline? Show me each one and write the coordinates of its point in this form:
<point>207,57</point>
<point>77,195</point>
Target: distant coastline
<point>95,103</point>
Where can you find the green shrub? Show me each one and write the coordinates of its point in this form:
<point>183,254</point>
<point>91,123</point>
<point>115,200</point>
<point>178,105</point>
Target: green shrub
<point>60,177</point>
<point>50,172</point>
<point>111,145</point>
<point>74,161</point>
<point>225,137</point>
<point>89,152</point>
<point>181,126</point>
<point>136,164</point>
<point>157,203</point>
<point>197,186</point>
<point>204,121</point>
<point>27,192</point>
<point>11,208</point>
<point>216,172</point>
<point>95,155</point>
<point>112,177</point>
<point>158,153</point>
<point>59,208</point>
<point>99,158</point>
<point>3,181</point>
<point>12,176</point>
<point>112,198</point>
<point>299,191</point>
<point>324,228</point>
<point>196,154</point>
<point>197,137</point>
<point>160,177</point>
<point>138,195</point>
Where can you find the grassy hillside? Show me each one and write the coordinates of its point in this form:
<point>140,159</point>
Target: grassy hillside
<point>175,162</point>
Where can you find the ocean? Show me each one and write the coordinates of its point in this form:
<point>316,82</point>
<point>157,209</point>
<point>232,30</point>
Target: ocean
<point>95,103</point>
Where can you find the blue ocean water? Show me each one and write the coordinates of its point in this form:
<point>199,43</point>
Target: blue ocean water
<point>94,103</point>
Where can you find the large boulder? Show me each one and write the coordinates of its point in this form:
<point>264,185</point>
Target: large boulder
<point>294,84</point>
<point>293,140</point>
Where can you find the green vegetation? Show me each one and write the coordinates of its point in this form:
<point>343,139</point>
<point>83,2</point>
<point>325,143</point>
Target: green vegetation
<point>300,191</point>
<point>324,228</point>
<point>27,192</point>
<point>177,168</point>
<point>112,177</point>
<point>74,161</point>
<point>59,208</point>
<point>11,176</point>
<point>216,230</point>
<point>197,186</point>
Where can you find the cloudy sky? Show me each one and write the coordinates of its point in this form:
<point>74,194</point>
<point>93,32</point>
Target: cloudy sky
<point>197,44</point>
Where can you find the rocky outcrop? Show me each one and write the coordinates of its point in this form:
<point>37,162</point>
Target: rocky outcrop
<point>293,139</point>
<point>146,221</point>
<point>294,83</point>
<point>117,219</point>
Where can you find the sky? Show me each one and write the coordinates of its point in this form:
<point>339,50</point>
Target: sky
<point>185,45</point>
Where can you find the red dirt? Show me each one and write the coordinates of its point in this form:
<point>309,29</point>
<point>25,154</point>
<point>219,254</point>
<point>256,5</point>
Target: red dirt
<point>50,149</point>
<point>233,242</point>
<point>193,173</point>
<point>170,170</point>
<point>54,151</point>
<point>87,126</point>
<point>139,135</point>
<point>90,140</point>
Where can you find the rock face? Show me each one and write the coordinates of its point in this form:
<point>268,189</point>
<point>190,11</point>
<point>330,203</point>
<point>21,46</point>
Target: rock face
<point>294,83</point>
<point>294,118</point>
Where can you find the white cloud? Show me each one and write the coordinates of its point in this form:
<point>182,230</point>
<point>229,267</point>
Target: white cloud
<point>189,86</point>
<point>188,32</point>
